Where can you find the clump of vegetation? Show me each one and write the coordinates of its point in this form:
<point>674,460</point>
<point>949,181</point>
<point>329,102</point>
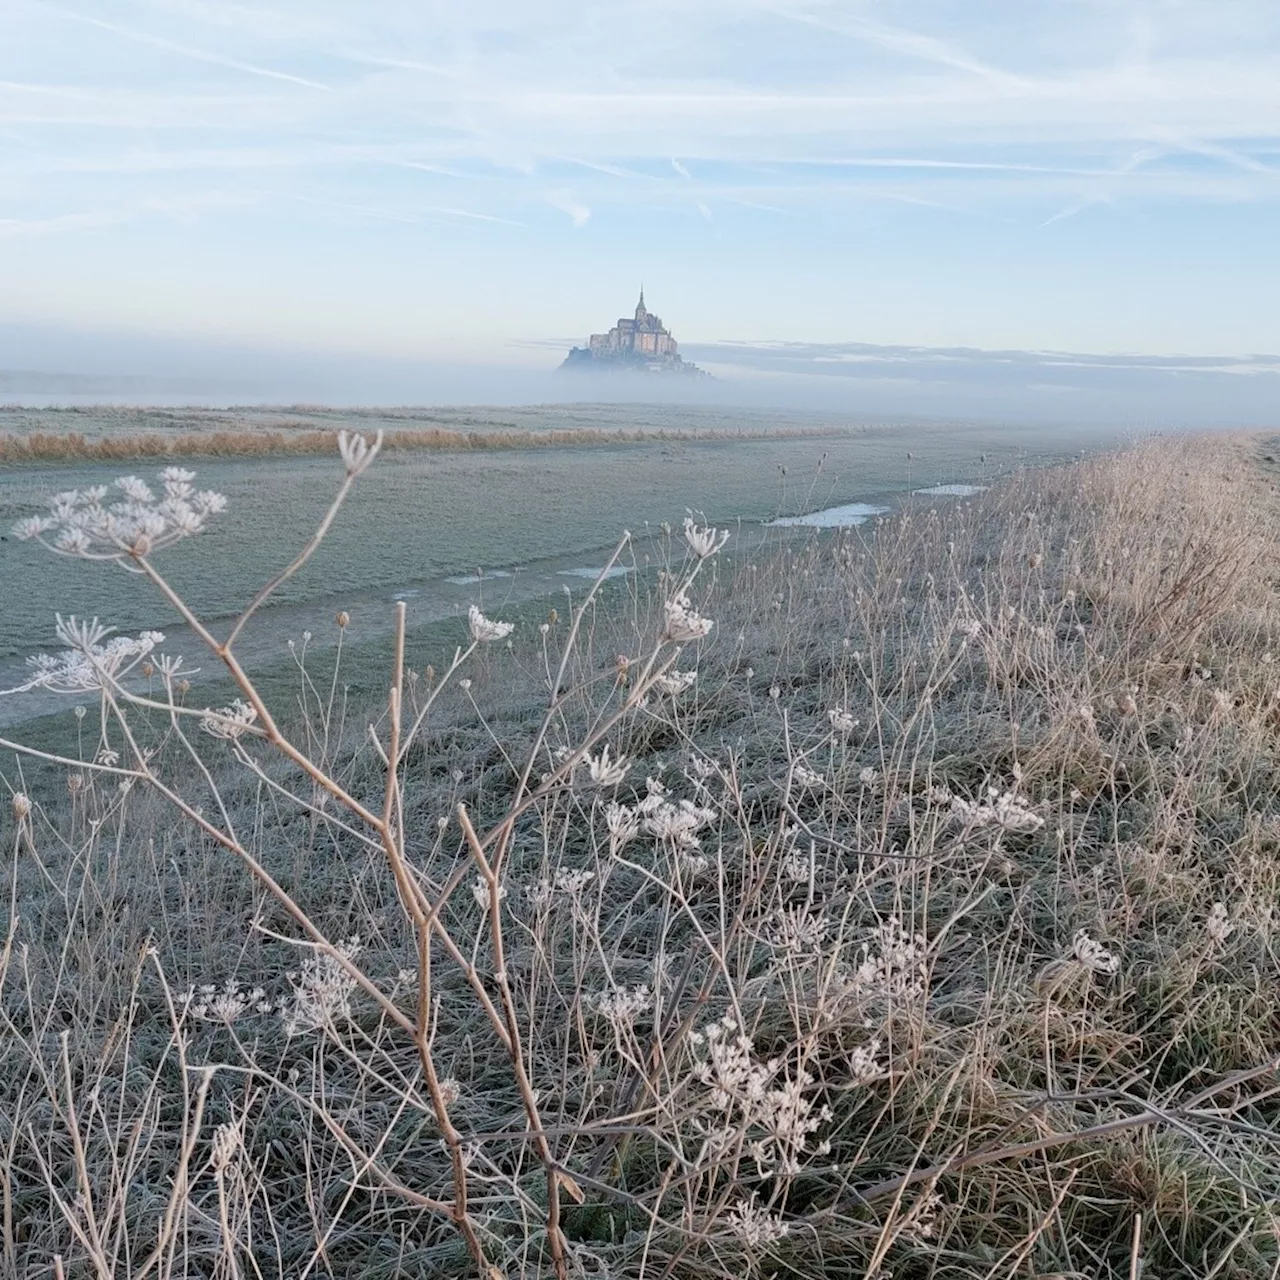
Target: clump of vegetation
<point>900,903</point>
<point>299,441</point>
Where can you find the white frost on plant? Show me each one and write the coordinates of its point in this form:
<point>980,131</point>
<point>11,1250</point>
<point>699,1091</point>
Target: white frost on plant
<point>230,722</point>
<point>82,523</point>
<point>683,622</point>
<point>703,541</point>
<point>675,682</point>
<point>1004,809</point>
<point>1092,954</point>
<point>754,1225</point>
<point>677,823</point>
<point>91,662</point>
<point>841,720</point>
<point>321,991</point>
<point>606,772</point>
<point>754,1100</point>
<point>894,963</point>
<point>484,630</point>
<point>356,452</point>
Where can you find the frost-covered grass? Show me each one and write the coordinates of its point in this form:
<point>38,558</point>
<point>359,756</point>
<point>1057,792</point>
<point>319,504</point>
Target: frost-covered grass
<point>929,929</point>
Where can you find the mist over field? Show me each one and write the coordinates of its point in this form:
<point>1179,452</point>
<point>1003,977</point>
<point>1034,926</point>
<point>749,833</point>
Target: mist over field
<point>53,366</point>
<point>480,799</point>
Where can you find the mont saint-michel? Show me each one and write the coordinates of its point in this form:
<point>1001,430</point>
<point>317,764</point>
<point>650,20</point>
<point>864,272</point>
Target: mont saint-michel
<point>639,343</point>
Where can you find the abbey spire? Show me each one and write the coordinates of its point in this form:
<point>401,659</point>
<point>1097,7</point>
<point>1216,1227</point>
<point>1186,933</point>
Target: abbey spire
<point>636,342</point>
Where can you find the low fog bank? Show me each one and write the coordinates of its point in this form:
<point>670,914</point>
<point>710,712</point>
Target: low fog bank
<point>43,366</point>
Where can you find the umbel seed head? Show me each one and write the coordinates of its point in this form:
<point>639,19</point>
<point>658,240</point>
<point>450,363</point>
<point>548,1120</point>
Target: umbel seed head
<point>21,805</point>
<point>343,619</point>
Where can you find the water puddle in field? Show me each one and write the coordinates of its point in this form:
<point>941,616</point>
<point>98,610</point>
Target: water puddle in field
<point>470,579</point>
<point>591,574</point>
<point>950,491</point>
<point>843,517</point>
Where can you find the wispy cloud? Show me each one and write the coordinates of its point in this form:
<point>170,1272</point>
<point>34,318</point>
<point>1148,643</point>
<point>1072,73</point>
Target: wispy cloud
<point>867,127</point>
<point>578,212</point>
<point>183,50</point>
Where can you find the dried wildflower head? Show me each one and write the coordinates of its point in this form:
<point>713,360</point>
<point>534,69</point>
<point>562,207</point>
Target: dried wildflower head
<point>226,1146</point>
<point>356,452</point>
<point>622,1005</point>
<point>797,931</point>
<point>83,524</point>
<point>705,541</point>
<point>21,805</point>
<point>1004,809</point>
<point>1093,955</point>
<point>343,619</point>
<point>1218,925</point>
<point>894,963</point>
<point>480,892</point>
<point>231,723</point>
<point>623,823</point>
<point>484,630</point>
<point>606,772</point>
<point>864,1064</point>
<point>806,777</point>
<point>675,682</point>
<point>321,991</point>
<point>841,720</point>
<point>750,1098</point>
<point>91,661</point>
<point>225,1004</point>
<point>683,622</point>
<point>676,824</point>
<point>754,1225</point>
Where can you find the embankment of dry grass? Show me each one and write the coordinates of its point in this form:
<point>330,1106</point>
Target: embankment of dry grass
<point>933,930</point>
<point>72,446</point>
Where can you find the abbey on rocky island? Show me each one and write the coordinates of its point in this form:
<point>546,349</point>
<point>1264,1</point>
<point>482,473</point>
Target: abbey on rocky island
<point>641,343</point>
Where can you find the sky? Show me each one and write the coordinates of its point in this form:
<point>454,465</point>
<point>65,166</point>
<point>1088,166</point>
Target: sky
<point>1065,208</point>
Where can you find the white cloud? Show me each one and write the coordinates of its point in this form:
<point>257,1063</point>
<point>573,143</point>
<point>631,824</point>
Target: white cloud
<point>562,200</point>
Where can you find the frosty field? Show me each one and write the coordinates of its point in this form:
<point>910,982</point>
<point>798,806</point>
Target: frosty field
<point>535,514</point>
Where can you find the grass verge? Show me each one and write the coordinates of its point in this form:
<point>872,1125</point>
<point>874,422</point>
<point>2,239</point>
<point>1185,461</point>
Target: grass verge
<point>930,930</point>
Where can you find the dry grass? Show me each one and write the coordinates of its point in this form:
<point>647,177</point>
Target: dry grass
<point>74,446</point>
<point>901,948</point>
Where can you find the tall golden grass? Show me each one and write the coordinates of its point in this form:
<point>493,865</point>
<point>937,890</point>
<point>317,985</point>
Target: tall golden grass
<point>74,446</point>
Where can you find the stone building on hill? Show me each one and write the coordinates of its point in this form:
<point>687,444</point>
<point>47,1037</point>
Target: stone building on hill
<point>639,342</point>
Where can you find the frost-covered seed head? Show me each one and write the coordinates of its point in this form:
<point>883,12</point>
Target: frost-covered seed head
<point>230,722</point>
<point>606,772</point>
<point>356,452</point>
<point>484,630</point>
<point>1218,926</point>
<point>226,1145</point>
<point>841,720</point>
<point>675,682</point>
<point>1092,954</point>
<point>703,541</point>
<point>683,622</point>
<point>82,523</point>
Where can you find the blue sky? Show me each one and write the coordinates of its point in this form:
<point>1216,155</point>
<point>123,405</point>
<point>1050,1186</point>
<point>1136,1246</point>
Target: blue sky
<point>805,188</point>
